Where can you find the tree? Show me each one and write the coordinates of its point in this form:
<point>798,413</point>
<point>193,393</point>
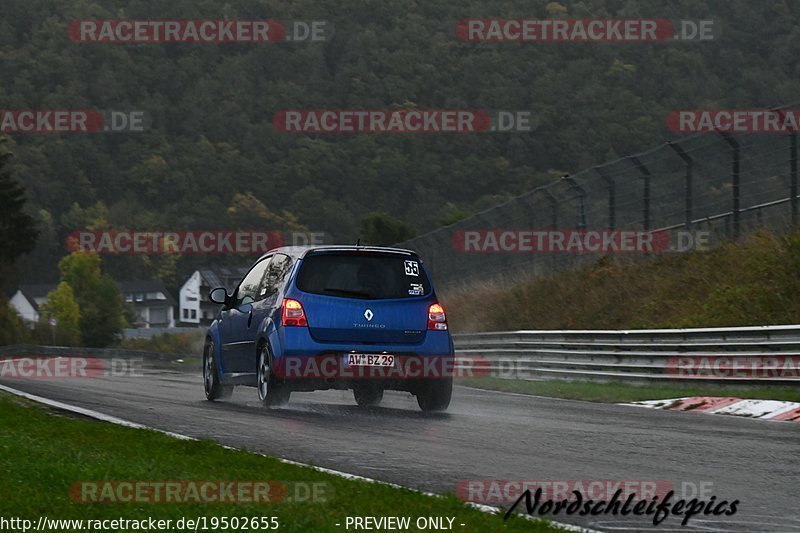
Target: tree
<point>381,229</point>
<point>106,319</point>
<point>452,214</point>
<point>17,229</point>
<point>100,301</point>
<point>248,212</point>
<point>210,139</point>
<point>12,329</point>
<point>81,271</point>
<point>62,306</point>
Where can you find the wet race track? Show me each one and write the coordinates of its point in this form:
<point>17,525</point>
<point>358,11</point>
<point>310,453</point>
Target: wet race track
<point>484,436</point>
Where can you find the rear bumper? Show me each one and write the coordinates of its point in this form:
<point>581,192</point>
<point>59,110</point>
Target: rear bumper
<point>306,364</point>
<point>297,341</point>
<point>309,385</point>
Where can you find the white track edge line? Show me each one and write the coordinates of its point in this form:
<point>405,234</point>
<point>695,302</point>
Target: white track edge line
<point>127,423</point>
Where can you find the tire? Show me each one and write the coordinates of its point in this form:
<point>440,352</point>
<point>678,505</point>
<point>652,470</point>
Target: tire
<point>214,389</point>
<point>270,392</point>
<point>434,395</point>
<point>367,395</point>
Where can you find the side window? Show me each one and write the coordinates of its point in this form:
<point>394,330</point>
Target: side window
<point>248,290</point>
<point>276,273</point>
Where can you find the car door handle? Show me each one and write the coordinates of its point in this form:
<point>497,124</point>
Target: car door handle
<point>249,318</point>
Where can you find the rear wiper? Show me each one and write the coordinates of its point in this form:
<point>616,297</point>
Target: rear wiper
<point>349,292</point>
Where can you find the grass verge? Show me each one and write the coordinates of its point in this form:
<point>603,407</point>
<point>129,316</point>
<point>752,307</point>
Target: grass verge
<point>750,282</point>
<point>42,454</point>
<point>621,392</point>
<point>178,343</point>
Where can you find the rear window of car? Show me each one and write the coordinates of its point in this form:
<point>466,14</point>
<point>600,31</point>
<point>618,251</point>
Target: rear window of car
<point>367,276</point>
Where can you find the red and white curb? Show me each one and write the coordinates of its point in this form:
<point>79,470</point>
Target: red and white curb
<point>760,409</point>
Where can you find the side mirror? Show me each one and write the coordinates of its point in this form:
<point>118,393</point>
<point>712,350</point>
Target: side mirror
<point>219,296</point>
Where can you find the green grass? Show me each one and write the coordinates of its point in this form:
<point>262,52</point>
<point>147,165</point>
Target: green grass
<point>178,343</point>
<point>620,392</point>
<point>755,281</point>
<point>43,453</point>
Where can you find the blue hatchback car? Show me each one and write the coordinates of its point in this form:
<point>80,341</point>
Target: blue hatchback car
<point>331,317</point>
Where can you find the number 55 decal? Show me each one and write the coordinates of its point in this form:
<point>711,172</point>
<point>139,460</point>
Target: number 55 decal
<point>412,268</point>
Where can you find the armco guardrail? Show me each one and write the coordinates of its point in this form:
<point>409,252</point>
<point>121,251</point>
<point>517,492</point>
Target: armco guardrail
<point>32,350</point>
<point>586,355</point>
<point>743,355</point>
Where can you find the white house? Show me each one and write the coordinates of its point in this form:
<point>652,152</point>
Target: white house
<point>28,298</point>
<point>193,304</point>
<point>154,305</point>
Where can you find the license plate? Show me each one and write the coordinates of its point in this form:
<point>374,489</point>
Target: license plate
<point>368,359</point>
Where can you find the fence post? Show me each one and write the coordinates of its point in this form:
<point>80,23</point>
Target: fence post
<point>646,177</point>
<point>447,257</point>
<point>736,183</point>
<point>792,170</point>
<point>688,185</point>
<point>553,201</point>
<point>581,199</point>
<point>530,212</point>
<point>793,183</point>
<point>612,198</point>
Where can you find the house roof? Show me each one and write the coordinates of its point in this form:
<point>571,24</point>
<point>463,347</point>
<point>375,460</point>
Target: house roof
<point>37,291</point>
<point>146,286</point>
<point>141,286</point>
<point>31,292</point>
<point>223,277</point>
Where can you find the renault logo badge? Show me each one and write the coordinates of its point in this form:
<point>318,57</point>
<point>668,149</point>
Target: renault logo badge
<point>368,314</point>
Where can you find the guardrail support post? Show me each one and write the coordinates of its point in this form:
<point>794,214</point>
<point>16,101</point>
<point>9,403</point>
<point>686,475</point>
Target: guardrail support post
<point>736,208</point>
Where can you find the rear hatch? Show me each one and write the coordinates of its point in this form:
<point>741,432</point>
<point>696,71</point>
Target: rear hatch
<point>365,297</point>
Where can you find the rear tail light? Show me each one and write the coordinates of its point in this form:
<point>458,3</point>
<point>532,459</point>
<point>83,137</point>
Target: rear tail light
<point>293,313</point>
<point>436,317</point>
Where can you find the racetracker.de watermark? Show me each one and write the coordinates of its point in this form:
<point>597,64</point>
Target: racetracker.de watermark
<point>254,31</point>
<point>732,366</point>
<point>734,120</point>
<point>483,241</point>
<point>71,367</point>
<point>380,366</point>
<point>72,121</point>
<point>638,30</point>
<point>199,492</point>
<point>404,121</point>
<point>188,242</point>
<point>505,491</point>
